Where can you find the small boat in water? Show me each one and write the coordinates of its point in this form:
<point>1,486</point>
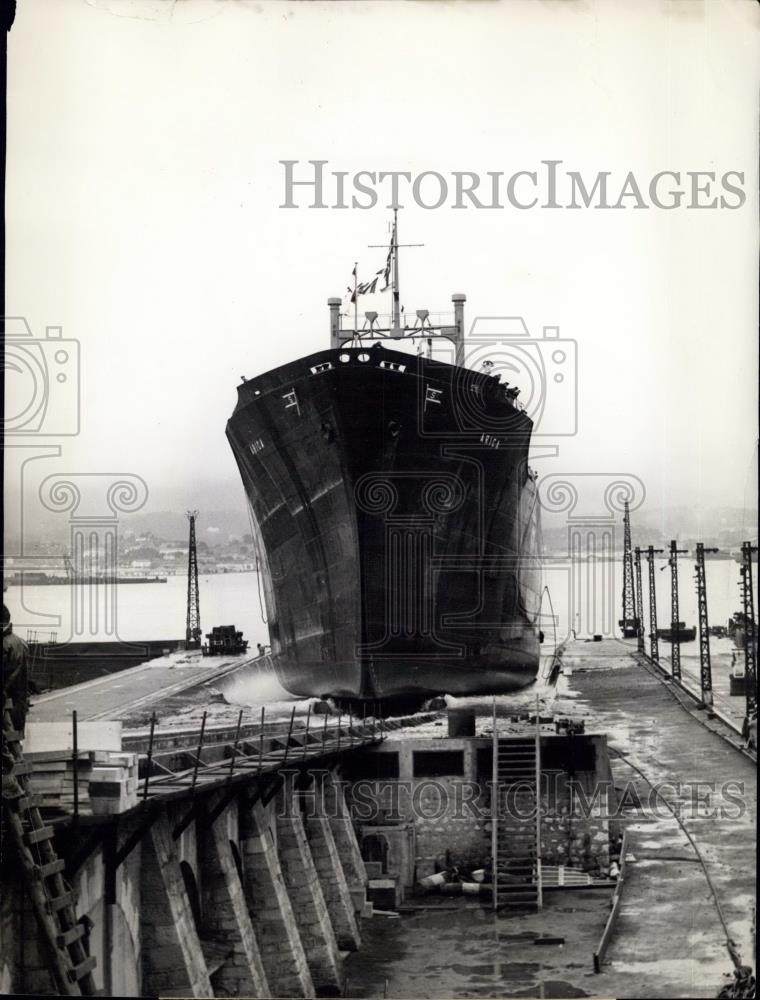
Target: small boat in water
<point>679,634</point>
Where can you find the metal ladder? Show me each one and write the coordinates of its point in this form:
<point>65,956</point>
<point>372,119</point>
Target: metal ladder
<point>516,859</point>
<point>42,869</point>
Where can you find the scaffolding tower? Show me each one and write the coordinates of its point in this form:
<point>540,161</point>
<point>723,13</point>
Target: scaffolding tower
<point>705,666</point>
<point>750,643</point>
<point>675,624</point>
<point>193,626</point>
<point>654,648</point>
<point>629,621</point>
<point>639,599</point>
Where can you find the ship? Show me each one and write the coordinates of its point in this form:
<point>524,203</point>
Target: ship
<point>681,633</point>
<point>395,517</point>
<point>739,627</point>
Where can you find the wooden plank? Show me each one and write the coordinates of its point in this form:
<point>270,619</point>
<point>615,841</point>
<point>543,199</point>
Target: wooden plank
<point>68,937</point>
<point>56,759</point>
<point>604,941</point>
<point>81,970</point>
<point>59,736</point>
<point>27,802</point>
<point>42,833</point>
<point>609,927</point>
<point>21,767</point>
<point>61,902</point>
<point>51,868</point>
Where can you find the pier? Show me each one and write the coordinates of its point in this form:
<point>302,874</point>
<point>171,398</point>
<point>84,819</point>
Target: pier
<point>116,695</point>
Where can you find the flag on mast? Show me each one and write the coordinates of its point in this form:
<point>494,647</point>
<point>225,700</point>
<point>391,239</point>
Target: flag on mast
<point>353,291</point>
<point>386,272</point>
<point>370,287</point>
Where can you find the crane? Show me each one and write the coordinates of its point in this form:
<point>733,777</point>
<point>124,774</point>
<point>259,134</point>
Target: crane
<point>193,626</point>
<point>675,624</point>
<point>750,643</point>
<point>629,621</point>
<point>705,666</point>
<point>639,601</point>
<point>654,649</point>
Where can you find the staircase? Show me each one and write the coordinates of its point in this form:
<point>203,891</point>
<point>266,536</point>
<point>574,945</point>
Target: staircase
<point>53,899</point>
<point>516,861</point>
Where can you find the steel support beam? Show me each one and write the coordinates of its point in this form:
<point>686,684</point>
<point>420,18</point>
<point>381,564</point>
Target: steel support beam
<point>705,665</point>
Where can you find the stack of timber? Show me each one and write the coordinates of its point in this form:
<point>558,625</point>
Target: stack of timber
<point>113,784</point>
<point>106,781</point>
<point>55,783</point>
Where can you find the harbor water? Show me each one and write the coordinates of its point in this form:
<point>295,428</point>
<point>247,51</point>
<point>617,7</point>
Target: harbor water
<point>157,611</point>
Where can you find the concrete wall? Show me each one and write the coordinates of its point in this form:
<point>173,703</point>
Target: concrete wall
<point>278,885</point>
<point>275,900</point>
<point>450,813</point>
<point>114,940</point>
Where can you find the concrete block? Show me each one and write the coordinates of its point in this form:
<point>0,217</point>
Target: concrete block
<point>335,888</point>
<point>358,898</point>
<point>179,955</point>
<point>269,906</point>
<point>101,773</point>
<point>304,887</point>
<point>226,917</point>
<point>383,893</point>
<point>344,833</point>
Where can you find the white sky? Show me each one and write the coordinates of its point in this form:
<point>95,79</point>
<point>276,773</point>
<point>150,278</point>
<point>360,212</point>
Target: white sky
<point>143,218</point>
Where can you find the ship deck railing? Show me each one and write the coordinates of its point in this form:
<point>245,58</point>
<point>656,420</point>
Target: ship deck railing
<point>412,325</point>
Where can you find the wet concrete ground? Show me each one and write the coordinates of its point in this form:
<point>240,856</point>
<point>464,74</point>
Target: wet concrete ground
<point>471,952</point>
<point>113,696</point>
<point>723,655</point>
<point>669,940</point>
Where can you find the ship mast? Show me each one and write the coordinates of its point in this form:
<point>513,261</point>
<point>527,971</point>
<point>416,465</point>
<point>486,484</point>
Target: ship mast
<point>396,294</point>
<point>395,331</point>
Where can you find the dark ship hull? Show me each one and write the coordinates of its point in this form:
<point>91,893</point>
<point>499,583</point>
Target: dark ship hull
<point>397,526</point>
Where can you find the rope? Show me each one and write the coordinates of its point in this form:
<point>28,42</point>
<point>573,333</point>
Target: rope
<point>254,536</point>
<point>730,943</point>
<point>554,617</point>
<point>258,588</point>
<point>548,674</point>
